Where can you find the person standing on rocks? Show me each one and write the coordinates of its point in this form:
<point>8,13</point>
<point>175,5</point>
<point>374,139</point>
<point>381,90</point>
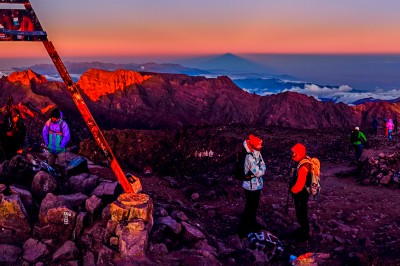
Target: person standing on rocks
<point>385,127</point>
<point>299,191</point>
<point>254,169</point>
<point>56,136</point>
<point>390,127</point>
<point>356,139</point>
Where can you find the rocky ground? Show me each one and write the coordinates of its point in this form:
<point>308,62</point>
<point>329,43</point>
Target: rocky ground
<point>196,212</point>
<point>355,223</point>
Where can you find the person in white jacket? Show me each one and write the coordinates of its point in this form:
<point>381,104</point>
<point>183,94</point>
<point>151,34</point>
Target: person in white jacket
<point>254,169</point>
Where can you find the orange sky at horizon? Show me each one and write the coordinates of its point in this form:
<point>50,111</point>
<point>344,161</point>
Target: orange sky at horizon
<point>176,28</point>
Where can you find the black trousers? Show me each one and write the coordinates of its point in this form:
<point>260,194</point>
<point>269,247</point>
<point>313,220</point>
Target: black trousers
<point>248,223</point>
<point>358,149</point>
<point>300,203</point>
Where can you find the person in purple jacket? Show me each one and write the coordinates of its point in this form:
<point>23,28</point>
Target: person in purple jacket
<point>56,136</point>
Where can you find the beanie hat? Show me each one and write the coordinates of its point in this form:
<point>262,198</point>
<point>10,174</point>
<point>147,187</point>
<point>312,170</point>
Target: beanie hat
<point>299,152</point>
<point>55,113</point>
<point>254,141</point>
<point>357,128</point>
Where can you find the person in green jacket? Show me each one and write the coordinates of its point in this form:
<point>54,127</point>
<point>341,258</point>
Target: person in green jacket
<point>357,138</point>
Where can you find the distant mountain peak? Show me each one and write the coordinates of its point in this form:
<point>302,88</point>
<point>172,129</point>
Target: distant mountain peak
<point>232,62</point>
<point>96,82</point>
<point>26,76</point>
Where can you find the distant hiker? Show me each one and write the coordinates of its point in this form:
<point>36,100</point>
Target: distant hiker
<point>395,123</point>
<point>299,191</point>
<point>375,124</point>
<point>56,136</point>
<point>13,132</point>
<point>356,139</point>
<point>390,127</point>
<point>385,127</point>
<point>254,169</point>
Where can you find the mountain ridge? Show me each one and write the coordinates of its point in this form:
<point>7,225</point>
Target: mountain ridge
<point>178,100</point>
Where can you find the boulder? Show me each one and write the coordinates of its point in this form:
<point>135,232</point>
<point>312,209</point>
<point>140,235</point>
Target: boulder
<point>13,215</point>
<point>173,225</point>
<point>25,196</point>
<point>77,166</point>
<point>34,250</point>
<point>133,239</point>
<point>68,251</point>
<point>84,183</point>
<point>105,189</point>
<point>42,184</point>
<point>92,204</point>
<point>191,233</point>
<point>9,254</point>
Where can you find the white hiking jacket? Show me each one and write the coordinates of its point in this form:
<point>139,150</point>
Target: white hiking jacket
<point>255,164</point>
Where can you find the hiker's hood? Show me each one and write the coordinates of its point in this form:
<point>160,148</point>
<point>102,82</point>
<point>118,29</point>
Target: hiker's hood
<point>250,150</point>
<point>56,113</point>
<point>254,143</point>
<point>299,152</point>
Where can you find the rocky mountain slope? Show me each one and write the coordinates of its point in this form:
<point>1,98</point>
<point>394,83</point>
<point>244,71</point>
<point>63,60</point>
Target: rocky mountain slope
<point>127,99</point>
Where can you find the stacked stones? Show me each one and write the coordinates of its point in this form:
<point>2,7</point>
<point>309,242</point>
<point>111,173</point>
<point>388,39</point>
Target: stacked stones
<point>382,170</point>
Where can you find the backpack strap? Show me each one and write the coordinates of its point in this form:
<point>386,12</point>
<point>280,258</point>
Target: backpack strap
<point>304,161</point>
<point>310,166</point>
<point>60,133</point>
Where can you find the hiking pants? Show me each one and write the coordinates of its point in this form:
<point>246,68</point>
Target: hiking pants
<point>300,203</point>
<point>248,223</point>
<point>390,134</point>
<point>358,151</point>
<point>61,158</point>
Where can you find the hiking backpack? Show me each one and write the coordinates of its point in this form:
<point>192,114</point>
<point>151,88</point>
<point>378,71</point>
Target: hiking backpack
<point>313,184</point>
<point>239,164</point>
<point>354,136</point>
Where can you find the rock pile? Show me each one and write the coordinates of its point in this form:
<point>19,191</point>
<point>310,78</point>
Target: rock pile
<point>67,220</point>
<point>382,170</point>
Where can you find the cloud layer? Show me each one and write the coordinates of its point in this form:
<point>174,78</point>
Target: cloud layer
<point>344,93</point>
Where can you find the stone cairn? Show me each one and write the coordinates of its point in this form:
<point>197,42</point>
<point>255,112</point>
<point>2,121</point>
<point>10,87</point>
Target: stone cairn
<point>79,219</point>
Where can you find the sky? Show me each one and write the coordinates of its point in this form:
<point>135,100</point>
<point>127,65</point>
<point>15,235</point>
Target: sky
<point>118,28</point>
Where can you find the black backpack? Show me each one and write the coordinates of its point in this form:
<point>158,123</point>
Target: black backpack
<point>354,136</point>
<point>239,164</point>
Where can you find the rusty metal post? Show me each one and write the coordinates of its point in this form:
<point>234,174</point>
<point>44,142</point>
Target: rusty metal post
<point>129,187</point>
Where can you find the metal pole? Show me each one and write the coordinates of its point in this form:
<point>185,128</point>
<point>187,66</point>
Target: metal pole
<point>135,186</point>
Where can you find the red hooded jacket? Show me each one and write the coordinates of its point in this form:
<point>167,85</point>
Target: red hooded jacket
<point>299,153</point>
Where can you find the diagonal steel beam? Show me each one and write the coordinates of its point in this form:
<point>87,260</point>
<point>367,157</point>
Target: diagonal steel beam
<point>130,183</point>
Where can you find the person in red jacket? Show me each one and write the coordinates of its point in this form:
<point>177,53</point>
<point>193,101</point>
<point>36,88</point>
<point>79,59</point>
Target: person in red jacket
<point>299,191</point>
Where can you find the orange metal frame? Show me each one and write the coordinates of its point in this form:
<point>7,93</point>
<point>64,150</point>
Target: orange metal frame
<point>130,184</point>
